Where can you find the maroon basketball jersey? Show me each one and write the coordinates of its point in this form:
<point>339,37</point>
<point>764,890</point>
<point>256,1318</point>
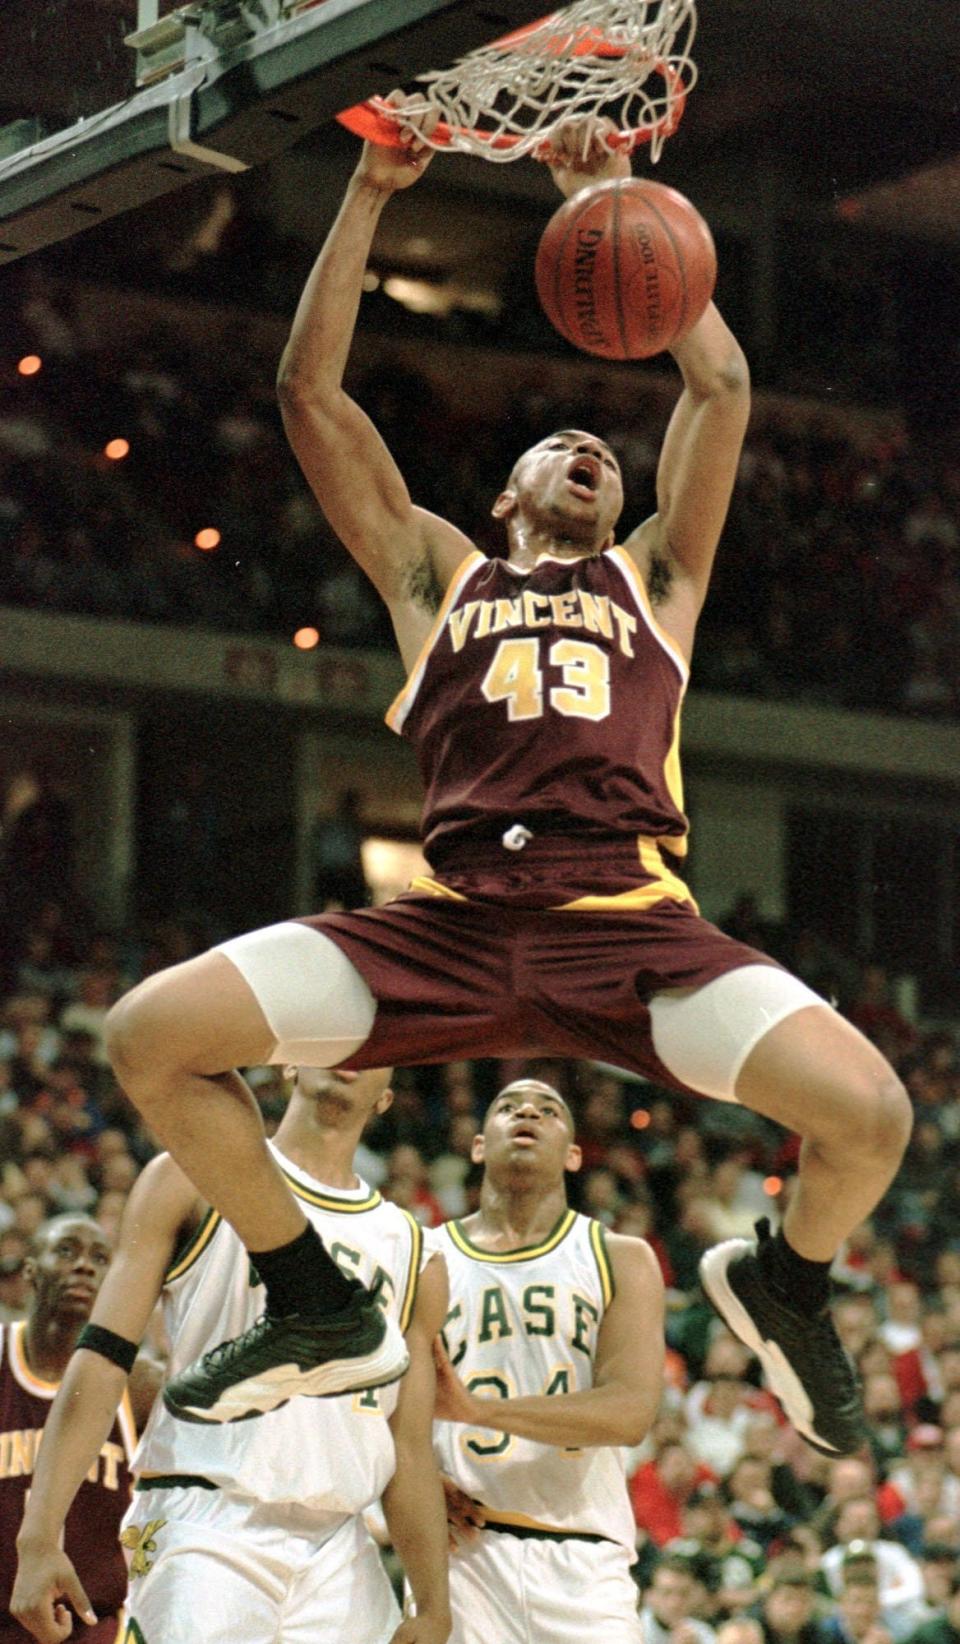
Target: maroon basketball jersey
<point>548,699</point>
<point>91,1538</point>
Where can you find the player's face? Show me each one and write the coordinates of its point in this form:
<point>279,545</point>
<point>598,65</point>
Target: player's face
<point>571,481</point>
<point>68,1267</point>
<point>340,1098</point>
<point>528,1128</point>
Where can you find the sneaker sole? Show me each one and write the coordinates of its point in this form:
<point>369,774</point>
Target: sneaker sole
<point>781,1377</point>
<point>276,1386</point>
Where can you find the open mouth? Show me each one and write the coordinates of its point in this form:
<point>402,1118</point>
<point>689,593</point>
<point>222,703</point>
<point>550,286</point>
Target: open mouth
<point>583,476</point>
<point>524,1133</point>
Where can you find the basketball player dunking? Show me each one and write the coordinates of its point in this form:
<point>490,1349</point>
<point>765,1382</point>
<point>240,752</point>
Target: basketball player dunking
<point>555,1343</point>
<point>543,701</point>
<point>254,1531</point>
<point>67,1264</point>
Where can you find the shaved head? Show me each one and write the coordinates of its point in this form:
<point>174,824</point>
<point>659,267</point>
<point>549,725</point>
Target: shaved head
<point>56,1226</point>
<point>533,1089</point>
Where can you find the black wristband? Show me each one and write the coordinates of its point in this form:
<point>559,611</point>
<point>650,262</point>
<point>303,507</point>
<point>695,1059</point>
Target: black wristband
<point>109,1345</point>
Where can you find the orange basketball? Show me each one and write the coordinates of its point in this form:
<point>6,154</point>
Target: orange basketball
<point>625,269</point>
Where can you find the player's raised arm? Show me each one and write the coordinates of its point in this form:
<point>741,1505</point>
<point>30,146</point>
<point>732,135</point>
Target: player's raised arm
<point>352,474</point>
<point>86,1403</point>
<point>628,1371</point>
<point>413,1502</point>
<point>701,448</point>
<point>696,473</point>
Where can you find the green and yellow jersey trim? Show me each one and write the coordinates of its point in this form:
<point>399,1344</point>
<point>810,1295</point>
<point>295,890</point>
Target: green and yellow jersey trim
<point>413,1277</point>
<point>194,1247</point>
<point>131,1634</point>
<point>328,1200</point>
<point>190,1252</point>
<point>526,1253</point>
<point>173,1481</point>
<point>601,1255</point>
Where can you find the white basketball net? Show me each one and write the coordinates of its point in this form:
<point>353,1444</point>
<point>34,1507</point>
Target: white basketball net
<point>625,59</point>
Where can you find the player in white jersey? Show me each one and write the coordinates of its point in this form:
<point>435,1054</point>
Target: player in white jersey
<point>555,1344</point>
<point>253,1532</point>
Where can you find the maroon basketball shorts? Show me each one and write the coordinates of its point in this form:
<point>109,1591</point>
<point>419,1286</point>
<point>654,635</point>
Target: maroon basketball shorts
<point>594,951</point>
<point>464,967</point>
<point>456,980</point>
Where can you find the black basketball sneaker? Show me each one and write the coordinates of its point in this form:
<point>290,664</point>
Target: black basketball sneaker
<point>280,1357</point>
<point>800,1352</point>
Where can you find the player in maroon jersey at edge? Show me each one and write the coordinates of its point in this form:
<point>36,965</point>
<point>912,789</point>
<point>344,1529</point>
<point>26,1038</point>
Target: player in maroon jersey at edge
<point>69,1258</point>
<point>543,701</point>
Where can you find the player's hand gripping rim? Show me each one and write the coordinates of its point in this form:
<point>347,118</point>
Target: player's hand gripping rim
<point>390,169</point>
<point>580,154</point>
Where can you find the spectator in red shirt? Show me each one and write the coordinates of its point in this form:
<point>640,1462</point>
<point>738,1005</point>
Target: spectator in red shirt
<point>660,1489</point>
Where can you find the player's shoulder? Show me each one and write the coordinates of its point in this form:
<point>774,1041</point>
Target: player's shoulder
<point>436,1240</point>
<point>630,1255</point>
<point>161,1175</point>
<point>395,1220</point>
<point>165,1194</point>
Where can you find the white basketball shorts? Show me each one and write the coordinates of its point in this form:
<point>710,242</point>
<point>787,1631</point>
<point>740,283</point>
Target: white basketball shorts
<point>206,1566</point>
<point>510,1590</point>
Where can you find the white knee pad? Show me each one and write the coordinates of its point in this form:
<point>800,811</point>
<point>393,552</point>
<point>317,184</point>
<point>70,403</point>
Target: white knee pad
<point>705,1036</point>
<point>319,1007</point>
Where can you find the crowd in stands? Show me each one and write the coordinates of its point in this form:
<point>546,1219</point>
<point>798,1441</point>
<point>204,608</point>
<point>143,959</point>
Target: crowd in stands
<point>838,580</point>
<point>745,1535</point>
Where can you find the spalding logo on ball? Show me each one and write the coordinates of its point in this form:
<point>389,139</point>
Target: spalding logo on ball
<point>625,269</point>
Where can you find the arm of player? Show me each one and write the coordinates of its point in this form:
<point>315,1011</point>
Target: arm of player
<point>146,1380</point>
<point>697,470</point>
<point>349,468</point>
<point>413,1502</point>
<point>628,1371</point>
<point>701,448</point>
<point>86,1403</point>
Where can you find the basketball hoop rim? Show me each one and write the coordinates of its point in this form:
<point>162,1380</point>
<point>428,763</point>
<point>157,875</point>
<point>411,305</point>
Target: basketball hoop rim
<point>377,121</point>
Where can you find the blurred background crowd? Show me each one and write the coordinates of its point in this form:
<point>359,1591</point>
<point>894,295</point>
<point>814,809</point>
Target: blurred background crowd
<point>146,477</point>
